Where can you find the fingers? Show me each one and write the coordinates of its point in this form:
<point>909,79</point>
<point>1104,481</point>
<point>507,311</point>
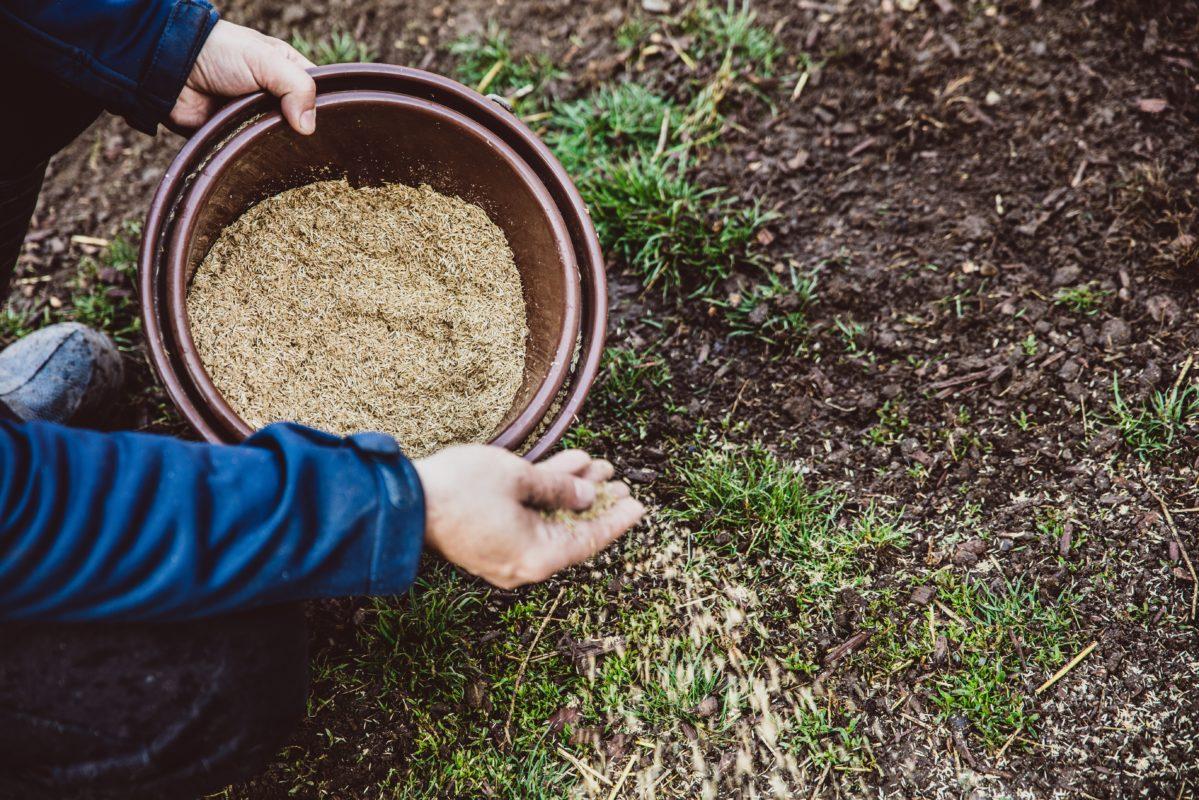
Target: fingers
<point>292,54</point>
<point>551,489</point>
<point>579,463</point>
<point>575,542</point>
<point>295,88</point>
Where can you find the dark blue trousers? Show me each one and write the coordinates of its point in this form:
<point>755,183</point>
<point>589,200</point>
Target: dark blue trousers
<point>171,710</point>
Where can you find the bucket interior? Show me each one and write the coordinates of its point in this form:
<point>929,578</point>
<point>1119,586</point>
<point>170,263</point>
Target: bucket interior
<point>371,141</point>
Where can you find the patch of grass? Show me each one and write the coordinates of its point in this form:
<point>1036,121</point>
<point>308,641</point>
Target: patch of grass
<point>339,47</point>
<point>985,683</point>
<point>16,323</point>
<point>627,375</point>
<point>666,227</point>
<point>732,32</point>
<point>1154,428</point>
<point>683,678</point>
<point>646,208</point>
<point>632,32</point>
<point>486,62</point>
<point>831,740</point>
<point>852,335</point>
<point>1029,345</point>
<point>105,307</point>
<point>626,378</point>
<point>891,425</point>
<point>751,502</point>
<point>774,310</point>
<point>617,121</point>
<point>419,673</point>
<point>997,645</point>
<point>1085,298</point>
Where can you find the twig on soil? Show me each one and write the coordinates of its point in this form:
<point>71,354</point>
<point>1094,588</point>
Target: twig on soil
<point>490,76</point>
<point>947,612</point>
<point>687,60</point>
<point>844,649</point>
<point>1008,743</point>
<point>804,77</point>
<point>663,136</point>
<point>562,751</point>
<point>520,674</point>
<point>1174,531</point>
<point>624,776</point>
<point>89,240</point>
<point>1074,662</point>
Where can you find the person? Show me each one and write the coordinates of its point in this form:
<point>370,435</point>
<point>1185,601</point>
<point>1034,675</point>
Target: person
<point>152,642</point>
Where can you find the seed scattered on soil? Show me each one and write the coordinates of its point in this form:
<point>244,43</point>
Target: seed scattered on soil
<point>387,308</point>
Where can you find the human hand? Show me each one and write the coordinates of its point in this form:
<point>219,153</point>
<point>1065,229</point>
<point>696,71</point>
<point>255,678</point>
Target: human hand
<point>235,61</point>
<point>483,511</point>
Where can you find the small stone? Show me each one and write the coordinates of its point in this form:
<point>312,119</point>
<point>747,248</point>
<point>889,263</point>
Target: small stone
<point>1070,370</point>
<point>642,475</point>
<point>1163,310</point>
<point>707,707</point>
<point>968,553</point>
<point>656,6</point>
<point>294,13</point>
<point>799,408</point>
<point>923,595</point>
<point>1064,276</point>
<point>974,228</point>
<point>1115,333</point>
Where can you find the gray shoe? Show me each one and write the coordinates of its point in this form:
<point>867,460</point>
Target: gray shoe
<point>62,373</point>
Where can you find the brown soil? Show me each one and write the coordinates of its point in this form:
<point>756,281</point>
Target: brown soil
<point>947,170</point>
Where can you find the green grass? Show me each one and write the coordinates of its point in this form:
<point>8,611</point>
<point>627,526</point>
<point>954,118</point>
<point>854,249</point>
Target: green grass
<point>891,426</point>
<point>1001,644</point>
<point>420,679</point>
<point>1154,428</point>
<point>15,323</point>
<point>666,227</point>
<point>732,32</point>
<point>617,121</point>
<point>485,61</point>
<point>340,47</point>
<point>101,306</point>
<point>775,310</point>
<point>682,678</point>
<point>627,379</point>
<point>1086,299</point>
<point>748,501</point>
<point>646,208</point>
<point>830,739</point>
<point>990,684</point>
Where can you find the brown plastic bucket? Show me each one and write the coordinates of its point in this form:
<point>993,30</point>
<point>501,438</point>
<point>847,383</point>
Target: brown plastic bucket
<point>372,138</point>
<point>177,232</point>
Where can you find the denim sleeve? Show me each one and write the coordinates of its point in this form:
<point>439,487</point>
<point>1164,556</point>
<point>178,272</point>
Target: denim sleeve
<point>131,55</point>
<point>128,526</point>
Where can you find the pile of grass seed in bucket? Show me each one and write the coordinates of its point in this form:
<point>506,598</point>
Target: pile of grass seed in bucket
<point>387,308</point>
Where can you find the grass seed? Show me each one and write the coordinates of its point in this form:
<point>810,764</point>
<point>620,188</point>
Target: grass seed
<point>386,308</point>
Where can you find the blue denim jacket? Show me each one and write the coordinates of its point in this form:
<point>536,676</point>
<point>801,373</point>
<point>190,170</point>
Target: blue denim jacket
<point>133,56</point>
<point>126,526</point>
<point>129,526</point>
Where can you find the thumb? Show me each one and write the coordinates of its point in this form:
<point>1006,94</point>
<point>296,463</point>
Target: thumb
<point>550,489</point>
<point>294,87</point>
